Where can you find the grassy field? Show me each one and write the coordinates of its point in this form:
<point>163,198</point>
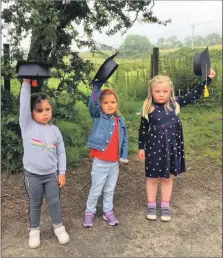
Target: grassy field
<point>97,56</point>
<point>130,71</point>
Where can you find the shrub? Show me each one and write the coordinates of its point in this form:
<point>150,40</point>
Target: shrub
<point>11,142</point>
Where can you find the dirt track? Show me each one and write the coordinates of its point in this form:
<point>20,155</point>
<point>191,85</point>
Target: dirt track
<point>195,229</point>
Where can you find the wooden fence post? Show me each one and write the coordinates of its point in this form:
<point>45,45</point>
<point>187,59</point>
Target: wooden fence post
<point>155,61</point>
<point>151,67</point>
<point>6,64</point>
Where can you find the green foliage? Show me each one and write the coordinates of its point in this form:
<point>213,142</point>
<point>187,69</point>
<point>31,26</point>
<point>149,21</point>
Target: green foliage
<point>64,107</point>
<point>198,41</point>
<point>11,143</point>
<point>179,66</point>
<point>203,131</point>
<point>75,141</point>
<point>215,54</point>
<point>75,134</point>
<point>180,72</point>
<point>171,42</point>
<point>52,23</point>
<point>135,46</point>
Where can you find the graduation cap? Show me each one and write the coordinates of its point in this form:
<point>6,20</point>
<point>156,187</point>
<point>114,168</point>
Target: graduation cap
<point>202,65</point>
<point>33,70</point>
<point>106,70</point>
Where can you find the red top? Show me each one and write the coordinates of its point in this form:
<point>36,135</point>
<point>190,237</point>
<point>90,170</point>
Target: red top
<point>112,151</point>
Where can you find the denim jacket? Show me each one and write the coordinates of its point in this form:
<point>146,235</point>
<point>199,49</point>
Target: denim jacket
<point>103,127</point>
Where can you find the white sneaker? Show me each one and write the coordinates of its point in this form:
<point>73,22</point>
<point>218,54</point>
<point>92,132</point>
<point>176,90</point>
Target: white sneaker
<point>34,238</point>
<point>62,235</point>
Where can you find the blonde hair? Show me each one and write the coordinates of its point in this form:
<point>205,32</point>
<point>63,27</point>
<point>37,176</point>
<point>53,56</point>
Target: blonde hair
<point>111,92</point>
<point>148,105</point>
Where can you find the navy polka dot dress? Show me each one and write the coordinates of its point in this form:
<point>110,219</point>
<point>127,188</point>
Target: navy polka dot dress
<point>162,138</point>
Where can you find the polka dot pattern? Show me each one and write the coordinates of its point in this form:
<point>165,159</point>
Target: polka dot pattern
<point>162,138</point>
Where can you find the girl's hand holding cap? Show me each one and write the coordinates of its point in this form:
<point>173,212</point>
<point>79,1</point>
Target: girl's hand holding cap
<point>26,80</point>
<point>212,74</point>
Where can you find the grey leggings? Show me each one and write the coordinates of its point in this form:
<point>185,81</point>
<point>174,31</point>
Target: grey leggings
<point>37,186</point>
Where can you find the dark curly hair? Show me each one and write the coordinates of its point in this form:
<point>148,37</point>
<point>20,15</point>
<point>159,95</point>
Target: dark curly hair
<point>36,99</point>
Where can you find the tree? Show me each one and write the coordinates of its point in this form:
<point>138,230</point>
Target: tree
<point>161,43</point>
<point>213,39</point>
<point>53,25</point>
<point>199,41</point>
<point>188,41</point>
<point>135,45</point>
<point>171,42</point>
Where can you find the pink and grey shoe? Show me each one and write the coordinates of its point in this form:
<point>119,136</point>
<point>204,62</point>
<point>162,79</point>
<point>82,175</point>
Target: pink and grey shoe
<point>88,221</point>
<point>110,218</point>
<point>165,214</point>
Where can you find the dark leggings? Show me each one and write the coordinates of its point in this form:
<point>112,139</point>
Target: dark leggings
<point>37,186</point>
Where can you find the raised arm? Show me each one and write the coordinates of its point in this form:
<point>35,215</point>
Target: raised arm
<point>25,115</point>
<point>94,105</point>
<point>194,94</point>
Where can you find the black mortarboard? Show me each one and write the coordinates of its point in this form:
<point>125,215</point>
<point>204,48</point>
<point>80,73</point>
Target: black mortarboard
<point>106,69</point>
<point>33,70</point>
<point>202,64</point>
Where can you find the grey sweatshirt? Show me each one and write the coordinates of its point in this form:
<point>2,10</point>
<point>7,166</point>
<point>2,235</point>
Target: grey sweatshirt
<point>44,151</point>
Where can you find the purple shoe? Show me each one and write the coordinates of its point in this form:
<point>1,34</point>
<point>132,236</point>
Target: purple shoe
<point>110,218</point>
<point>88,219</point>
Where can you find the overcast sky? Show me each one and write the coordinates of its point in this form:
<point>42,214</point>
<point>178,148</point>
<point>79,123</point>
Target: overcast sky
<point>206,15</point>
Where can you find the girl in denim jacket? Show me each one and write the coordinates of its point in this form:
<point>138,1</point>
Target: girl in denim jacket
<point>108,144</point>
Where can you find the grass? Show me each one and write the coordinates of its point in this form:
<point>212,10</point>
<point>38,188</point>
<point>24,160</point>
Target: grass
<point>218,47</point>
<point>166,51</point>
<point>203,132</point>
<point>97,57</point>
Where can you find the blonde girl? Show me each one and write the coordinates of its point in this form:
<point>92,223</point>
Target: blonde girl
<point>161,142</point>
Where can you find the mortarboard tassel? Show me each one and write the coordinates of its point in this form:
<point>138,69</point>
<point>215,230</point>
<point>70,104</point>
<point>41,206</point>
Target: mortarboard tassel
<point>206,92</point>
<point>34,83</point>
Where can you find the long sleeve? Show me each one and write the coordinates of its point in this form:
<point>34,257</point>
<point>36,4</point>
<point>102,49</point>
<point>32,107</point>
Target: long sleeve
<point>61,154</point>
<point>143,133</point>
<point>25,115</point>
<point>125,147</point>
<point>194,94</point>
<point>94,105</point>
